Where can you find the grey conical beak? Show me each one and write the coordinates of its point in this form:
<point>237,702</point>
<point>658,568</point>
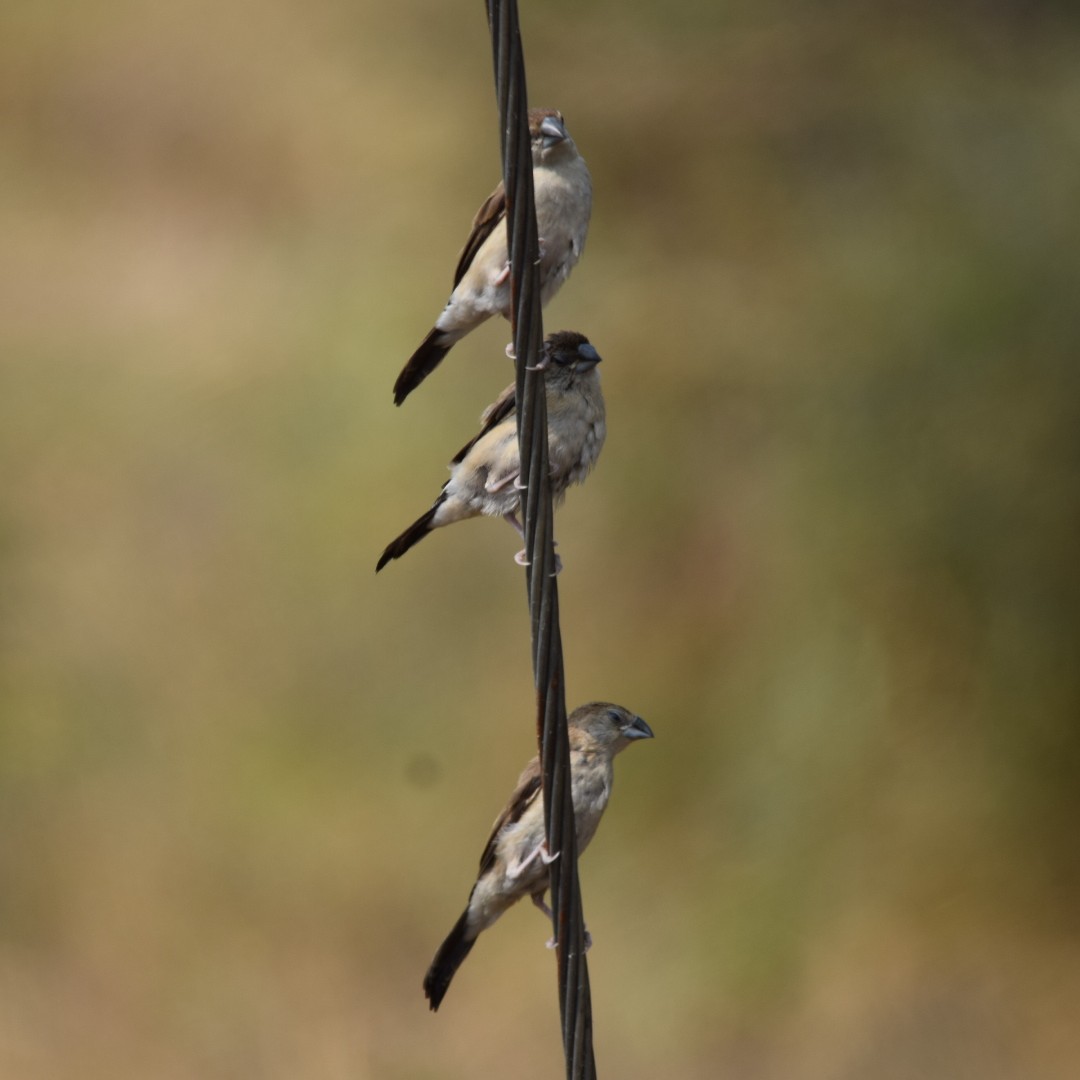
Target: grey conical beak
<point>587,359</point>
<point>638,729</point>
<point>553,130</point>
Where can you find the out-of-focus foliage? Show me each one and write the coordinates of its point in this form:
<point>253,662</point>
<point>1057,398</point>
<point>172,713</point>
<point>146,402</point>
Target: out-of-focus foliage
<point>831,552</point>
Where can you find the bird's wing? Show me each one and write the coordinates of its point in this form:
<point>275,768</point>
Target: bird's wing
<point>502,407</point>
<point>488,217</point>
<point>525,794</point>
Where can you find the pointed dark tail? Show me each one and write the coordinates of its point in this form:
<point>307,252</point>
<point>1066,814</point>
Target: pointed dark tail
<point>448,959</point>
<point>411,536</point>
<point>422,363</point>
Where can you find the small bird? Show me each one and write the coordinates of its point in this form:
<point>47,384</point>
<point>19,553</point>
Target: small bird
<point>516,859</point>
<point>485,473</point>
<point>563,190</point>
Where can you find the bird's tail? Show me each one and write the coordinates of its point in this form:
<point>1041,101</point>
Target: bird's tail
<point>448,959</point>
<point>411,536</point>
<point>423,362</point>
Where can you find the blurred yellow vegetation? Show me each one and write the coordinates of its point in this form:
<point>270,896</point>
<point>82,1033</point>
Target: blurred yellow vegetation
<point>830,553</point>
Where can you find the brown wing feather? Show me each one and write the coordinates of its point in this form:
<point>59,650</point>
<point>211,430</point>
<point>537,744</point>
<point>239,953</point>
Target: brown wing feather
<point>487,218</point>
<point>525,794</point>
<point>502,407</point>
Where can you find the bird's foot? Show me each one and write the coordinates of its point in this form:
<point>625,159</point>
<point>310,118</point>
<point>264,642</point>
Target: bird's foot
<point>519,866</point>
<point>522,559</point>
<point>552,942</point>
<point>510,351</point>
<point>502,276</point>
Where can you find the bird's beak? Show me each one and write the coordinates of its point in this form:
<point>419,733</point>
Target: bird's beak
<point>553,130</point>
<point>587,359</point>
<point>638,729</point>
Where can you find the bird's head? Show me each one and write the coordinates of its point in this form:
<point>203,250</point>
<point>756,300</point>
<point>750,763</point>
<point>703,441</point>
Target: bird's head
<point>548,135</point>
<point>601,725</point>
<point>567,354</point>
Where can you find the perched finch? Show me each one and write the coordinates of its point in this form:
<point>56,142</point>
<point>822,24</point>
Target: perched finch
<point>484,475</point>
<point>563,190</point>
<point>515,861</point>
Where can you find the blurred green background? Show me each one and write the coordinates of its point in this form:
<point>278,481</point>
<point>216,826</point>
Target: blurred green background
<point>830,553</point>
